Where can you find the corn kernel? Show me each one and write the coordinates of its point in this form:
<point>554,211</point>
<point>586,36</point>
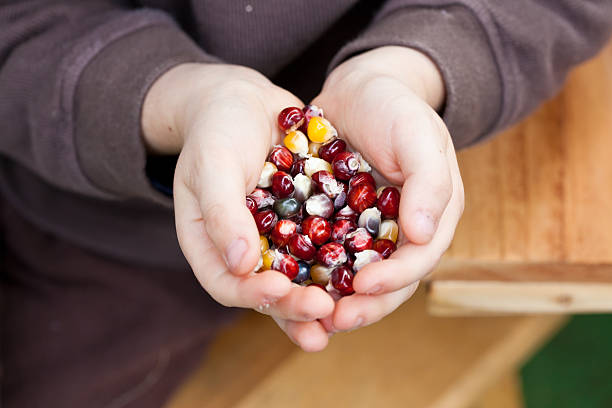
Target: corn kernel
<point>263,244</point>
<point>320,274</point>
<point>265,179</point>
<point>388,230</point>
<point>296,142</point>
<point>268,258</point>
<point>320,130</point>
<point>313,149</point>
<point>315,164</point>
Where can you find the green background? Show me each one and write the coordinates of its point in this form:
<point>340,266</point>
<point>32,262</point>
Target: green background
<point>574,370</point>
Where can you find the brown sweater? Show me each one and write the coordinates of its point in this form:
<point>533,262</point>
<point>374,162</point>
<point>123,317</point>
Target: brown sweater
<point>73,75</point>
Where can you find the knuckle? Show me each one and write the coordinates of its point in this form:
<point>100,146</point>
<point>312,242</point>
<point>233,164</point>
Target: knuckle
<point>214,215</point>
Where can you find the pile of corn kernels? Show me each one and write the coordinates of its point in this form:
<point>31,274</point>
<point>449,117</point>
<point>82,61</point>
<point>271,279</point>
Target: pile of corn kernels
<point>316,206</point>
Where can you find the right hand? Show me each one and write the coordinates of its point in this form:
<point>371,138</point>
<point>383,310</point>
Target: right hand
<point>221,119</point>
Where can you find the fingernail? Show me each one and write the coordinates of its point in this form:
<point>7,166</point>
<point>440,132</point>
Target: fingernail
<point>357,324</point>
<point>424,224</point>
<point>234,253</point>
<point>374,290</point>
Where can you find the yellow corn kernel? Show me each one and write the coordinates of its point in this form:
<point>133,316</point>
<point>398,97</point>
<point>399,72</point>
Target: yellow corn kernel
<point>313,149</point>
<point>320,274</point>
<point>388,230</point>
<point>320,130</point>
<point>296,142</point>
<point>263,244</point>
<point>268,258</point>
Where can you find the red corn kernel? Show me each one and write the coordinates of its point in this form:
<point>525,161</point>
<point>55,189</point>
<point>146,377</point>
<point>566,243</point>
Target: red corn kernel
<point>265,221</point>
<point>281,157</point>
<point>347,213</point>
<point>282,184</point>
<point>286,265</point>
<point>345,165</point>
<point>302,247</point>
<point>330,150</point>
<point>350,261</point>
<point>290,118</point>
<point>385,247</point>
<point>358,240</point>
<point>251,205</point>
<point>388,202</point>
<point>360,178</point>
<point>341,228</point>
<point>310,111</point>
<point>317,228</point>
<point>327,184</point>
<point>298,167</point>
<point>361,197</point>
<point>332,254</point>
<point>282,231</point>
<point>320,205</point>
<point>342,280</point>
<point>263,198</point>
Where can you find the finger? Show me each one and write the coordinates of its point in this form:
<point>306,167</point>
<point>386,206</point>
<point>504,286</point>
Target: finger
<point>353,312</point>
<point>302,304</point>
<point>310,336</point>
<point>249,291</point>
<point>428,186</point>
<point>412,262</point>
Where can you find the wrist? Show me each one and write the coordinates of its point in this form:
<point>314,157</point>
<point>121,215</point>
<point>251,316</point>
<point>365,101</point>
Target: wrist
<point>411,67</point>
<point>178,98</point>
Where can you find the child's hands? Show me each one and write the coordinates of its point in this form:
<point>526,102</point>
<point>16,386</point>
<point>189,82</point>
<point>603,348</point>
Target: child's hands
<point>221,118</point>
<point>381,102</point>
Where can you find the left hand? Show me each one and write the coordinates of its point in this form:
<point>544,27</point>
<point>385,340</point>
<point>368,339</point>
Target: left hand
<point>384,102</point>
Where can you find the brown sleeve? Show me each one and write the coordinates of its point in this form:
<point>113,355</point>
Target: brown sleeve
<point>73,76</point>
<point>499,59</point>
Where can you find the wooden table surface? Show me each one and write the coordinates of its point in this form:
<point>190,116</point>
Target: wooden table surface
<point>536,235</point>
<point>409,359</point>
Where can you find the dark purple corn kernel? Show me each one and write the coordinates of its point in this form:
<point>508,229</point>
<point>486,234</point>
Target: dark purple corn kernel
<point>302,247</point>
<point>290,118</point>
<point>265,221</point>
<point>388,202</point>
<point>330,150</point>
<point>345,165</point>
<point>282,184</point>
<point>342,280</point>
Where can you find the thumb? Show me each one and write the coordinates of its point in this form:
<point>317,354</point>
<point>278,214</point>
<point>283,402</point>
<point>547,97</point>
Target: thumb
<point>428,186</point>
<point>228,222</point>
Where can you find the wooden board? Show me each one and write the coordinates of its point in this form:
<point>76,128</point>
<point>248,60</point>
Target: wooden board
<point>538,200</point>
<point>506,393</point>
<point>408,359</point>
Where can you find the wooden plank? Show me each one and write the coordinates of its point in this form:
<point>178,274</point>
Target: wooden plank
<point>538,209</point>
<point>476,288</point>
<point>408,359</point>
<point>539,191</point>
<point>506,393</point>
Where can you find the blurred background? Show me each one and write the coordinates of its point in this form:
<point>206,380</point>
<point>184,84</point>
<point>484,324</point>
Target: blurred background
<point>515,316</point>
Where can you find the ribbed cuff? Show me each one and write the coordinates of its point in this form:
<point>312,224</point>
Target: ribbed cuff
<point>108,104</point>
<point>454,39</point>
